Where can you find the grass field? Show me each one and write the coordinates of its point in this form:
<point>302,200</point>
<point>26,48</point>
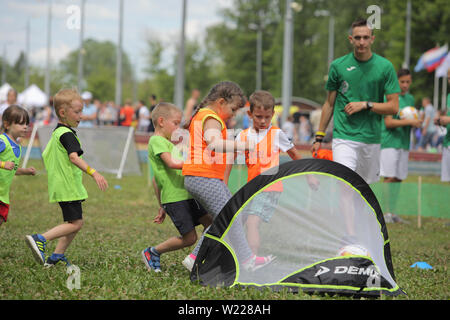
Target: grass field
<point>118,225</point>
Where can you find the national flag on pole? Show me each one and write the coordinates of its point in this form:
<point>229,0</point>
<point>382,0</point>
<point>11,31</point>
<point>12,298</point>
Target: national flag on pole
<point>441,71</point>
<point>431,59</point>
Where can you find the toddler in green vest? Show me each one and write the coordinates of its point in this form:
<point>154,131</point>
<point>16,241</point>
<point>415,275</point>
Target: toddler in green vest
<point>15,122</point>
<point>65,166</point>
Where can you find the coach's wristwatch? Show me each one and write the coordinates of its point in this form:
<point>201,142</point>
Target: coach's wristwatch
<point>369,105</point>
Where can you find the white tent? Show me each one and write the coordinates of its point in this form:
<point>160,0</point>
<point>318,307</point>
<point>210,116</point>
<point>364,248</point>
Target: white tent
<point>4,91</point>
<point>32,97</point>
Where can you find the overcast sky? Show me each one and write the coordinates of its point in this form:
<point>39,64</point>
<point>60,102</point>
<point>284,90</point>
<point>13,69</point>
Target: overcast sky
<point>159,17</point>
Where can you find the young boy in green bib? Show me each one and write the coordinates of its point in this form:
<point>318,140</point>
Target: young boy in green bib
<point>166,162</point>
<point>65,166</point>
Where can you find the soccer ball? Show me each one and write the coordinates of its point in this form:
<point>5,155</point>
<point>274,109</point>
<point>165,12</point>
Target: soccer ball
<point>408,113</point>
<point>353,250</point>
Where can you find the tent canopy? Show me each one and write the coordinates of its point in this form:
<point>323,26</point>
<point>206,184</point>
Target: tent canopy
<point>32,97</point>
<point>309,210</point>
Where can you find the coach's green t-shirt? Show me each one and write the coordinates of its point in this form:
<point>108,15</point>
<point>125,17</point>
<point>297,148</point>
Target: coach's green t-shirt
<point>353,81</point>
<point>170,181</point>
<point>447,136</point>
<point>397,138</point>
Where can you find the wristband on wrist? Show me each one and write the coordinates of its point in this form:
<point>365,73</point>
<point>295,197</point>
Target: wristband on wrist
<point>2,164</point>
<point>320,133</point>
<point>90,171</point>
<point>318,139</point>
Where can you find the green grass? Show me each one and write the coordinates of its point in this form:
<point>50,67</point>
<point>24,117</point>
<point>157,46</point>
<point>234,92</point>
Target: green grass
<point>118,225</point>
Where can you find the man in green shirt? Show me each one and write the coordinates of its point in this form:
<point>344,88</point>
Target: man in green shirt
<point>395,144</point>
<point>357,84</point>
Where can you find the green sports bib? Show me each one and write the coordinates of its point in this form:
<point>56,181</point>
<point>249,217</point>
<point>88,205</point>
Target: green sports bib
<point>65,180</point>
<point>6,176</point>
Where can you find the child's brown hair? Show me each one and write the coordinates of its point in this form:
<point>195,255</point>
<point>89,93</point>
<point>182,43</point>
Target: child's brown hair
<point>261,99</point>
<point>14,114</point>
<point>227,90</point>
<point>64,98</point>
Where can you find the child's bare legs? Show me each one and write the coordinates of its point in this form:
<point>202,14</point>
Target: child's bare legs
<point>65,233</point>
<point>253,238</point>
<point>184,241</point>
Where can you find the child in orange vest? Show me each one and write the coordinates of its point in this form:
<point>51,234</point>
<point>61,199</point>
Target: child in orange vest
<point>269,141</point>
<point>205,169</point>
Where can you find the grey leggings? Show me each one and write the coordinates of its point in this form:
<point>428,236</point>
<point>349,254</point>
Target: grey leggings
<point>213,194</point>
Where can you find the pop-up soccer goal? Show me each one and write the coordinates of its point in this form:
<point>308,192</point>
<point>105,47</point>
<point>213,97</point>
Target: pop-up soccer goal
<point>324,227</point>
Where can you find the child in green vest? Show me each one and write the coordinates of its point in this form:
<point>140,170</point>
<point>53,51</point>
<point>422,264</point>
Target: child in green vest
<point>166,162</point>
<point>65,167</point>
<point>15,122</point>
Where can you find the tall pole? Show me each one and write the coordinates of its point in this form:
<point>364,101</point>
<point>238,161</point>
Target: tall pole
<point>179,80</point>
<point>81,50</point>
<point>119,58</point>
<point>4,63</point>
<point>330,40</point>
<point>287,62</point>
<point>408,35</point>
<point>27,55</point>
<point>259,38</point>
<point>49,34</point>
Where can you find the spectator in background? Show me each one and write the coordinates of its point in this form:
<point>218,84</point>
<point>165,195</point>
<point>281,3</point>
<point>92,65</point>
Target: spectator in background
<point>428,127</point>
<point>89,115</point>
<point>126,114</point>
<point>288,127</point>
<point>190,104</point>
<point>106,114</point>
<point>153,103</point>
<point>305,131</point>
<point>143,117</point>
<point>11,98</point>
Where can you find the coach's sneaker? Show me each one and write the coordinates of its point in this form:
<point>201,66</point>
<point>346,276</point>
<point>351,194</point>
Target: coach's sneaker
<point>254,262</point>
<point>151,259</point>
<point>37,244</point>
<point>189,261</point>
<point>54,259</point>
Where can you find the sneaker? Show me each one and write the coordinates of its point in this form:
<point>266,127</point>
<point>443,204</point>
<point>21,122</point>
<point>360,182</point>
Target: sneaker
<point>189,261</point>
<point>151,260</point>
<point>37,247</point>
<point>51,261</point>
<point>254,262</point>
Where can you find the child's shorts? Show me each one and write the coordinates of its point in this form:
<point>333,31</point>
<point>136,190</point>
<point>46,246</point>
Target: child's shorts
<point>263,205</point>
<point>4,209</point>
<point>185,214</point>
<point>71,210</point>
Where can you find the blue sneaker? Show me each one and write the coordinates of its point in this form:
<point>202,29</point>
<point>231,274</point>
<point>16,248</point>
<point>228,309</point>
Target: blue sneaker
<point>54,259</point>
<point>151,260</point>
<point>37,247</point>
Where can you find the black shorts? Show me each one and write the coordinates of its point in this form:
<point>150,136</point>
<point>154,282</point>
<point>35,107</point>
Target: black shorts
<point>185,214</point>
<point>71,210</point>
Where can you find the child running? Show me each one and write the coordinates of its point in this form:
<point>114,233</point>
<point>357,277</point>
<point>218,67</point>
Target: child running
<point>206,165</point>
<point>65,167</point>
<point>15,122</point>
<point>168,182</point>
<point>269,141</point>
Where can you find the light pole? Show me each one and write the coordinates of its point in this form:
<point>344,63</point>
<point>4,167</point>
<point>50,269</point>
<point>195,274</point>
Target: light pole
<point>179,80</point>
<point>49,40</point>
<point>27,55</point>
<point>119,58</point>
<point>408,35</point>
<point>81,50</point>
<point>258,27</point>
<point>287,57</point>
<point>326,13</point>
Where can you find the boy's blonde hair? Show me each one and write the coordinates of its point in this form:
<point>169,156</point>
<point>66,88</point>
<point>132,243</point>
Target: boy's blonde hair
<point>261,99</point>
<point>64,98</point>
<point>163,110</point>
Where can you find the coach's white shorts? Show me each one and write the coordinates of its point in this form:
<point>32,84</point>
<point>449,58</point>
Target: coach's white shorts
<point>360,157</point>
<point>394,163</point>
<point>445,165</point>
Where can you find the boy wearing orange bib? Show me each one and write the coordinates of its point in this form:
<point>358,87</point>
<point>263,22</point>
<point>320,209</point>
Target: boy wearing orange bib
<point>269,141</point>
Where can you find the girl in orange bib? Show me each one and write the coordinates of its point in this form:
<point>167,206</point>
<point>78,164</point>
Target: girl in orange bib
<point>205,169</point>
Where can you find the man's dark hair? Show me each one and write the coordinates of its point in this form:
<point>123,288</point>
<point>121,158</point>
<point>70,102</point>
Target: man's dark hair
<point>360,22</point>
<point>403,72</point>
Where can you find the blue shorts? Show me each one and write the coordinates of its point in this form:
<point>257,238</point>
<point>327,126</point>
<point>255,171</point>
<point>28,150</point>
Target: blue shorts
<point>263,205</point>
